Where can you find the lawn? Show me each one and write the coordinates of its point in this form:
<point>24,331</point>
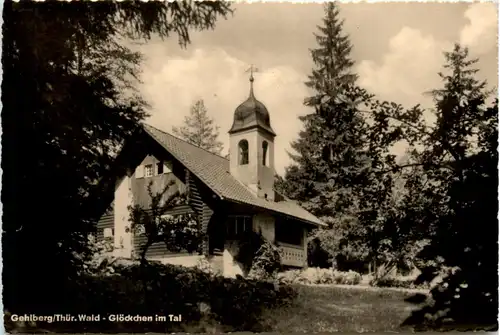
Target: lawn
<point>342,309</point>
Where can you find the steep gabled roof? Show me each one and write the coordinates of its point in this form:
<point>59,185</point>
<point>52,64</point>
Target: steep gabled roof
<point>213,170</point>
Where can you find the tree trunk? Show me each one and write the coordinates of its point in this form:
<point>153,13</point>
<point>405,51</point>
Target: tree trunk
<point>145,250</point>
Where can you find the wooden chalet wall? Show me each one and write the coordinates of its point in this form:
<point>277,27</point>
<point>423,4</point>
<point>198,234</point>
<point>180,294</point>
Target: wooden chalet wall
<point>158,185</point>
<point>205,222</point>
<point>106,221</point>
<point>159,249</point>
<point>201,200</point>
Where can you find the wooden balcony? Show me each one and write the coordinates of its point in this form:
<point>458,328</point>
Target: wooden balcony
<point>292,255</point>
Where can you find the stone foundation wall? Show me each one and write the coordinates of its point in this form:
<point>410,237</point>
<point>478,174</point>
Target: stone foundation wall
<point>189,260</point>
<point>231,267</point>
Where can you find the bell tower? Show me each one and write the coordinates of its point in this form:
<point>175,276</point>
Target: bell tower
<point>251,146</point>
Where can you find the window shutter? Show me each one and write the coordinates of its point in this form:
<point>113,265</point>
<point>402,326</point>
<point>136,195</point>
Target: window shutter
<point>139,171</point>
<point>167,167</point>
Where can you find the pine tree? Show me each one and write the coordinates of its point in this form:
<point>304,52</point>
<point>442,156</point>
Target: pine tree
<point>199,129</point>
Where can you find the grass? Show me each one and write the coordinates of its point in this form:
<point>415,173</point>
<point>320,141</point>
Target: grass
<point>342,309</point>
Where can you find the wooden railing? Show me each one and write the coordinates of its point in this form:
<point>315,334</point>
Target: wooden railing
<point>292,255</point>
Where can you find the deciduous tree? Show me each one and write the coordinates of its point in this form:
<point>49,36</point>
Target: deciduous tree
<point>460,158</point>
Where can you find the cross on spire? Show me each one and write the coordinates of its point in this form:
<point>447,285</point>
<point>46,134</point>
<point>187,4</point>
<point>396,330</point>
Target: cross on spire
<point>252,69</point>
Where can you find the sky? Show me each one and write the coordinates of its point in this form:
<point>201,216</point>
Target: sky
<point>397,48</point>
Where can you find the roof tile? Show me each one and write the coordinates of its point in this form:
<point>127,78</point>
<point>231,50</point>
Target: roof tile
<point>213,170</point>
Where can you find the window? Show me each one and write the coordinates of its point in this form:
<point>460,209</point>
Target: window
<point>159,167</point>
<point>148,170</point>
<point>264,152</point>
<point>108,233</point>
<point>238,225</point>
<point>288,231</point>
<point>243,148</point>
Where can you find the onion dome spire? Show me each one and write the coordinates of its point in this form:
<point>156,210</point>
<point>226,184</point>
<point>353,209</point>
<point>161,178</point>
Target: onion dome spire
<point>251,113</point>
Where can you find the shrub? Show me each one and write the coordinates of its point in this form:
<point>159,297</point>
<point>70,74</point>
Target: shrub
<point>398,282</point>
<point>320,276</point>
<point>317,256</point>
<point>98,257</point>
<point>267,262</point>
<point>205,266</point>
<point>335,247</point>
<point>347,278</point>
<point>156,289</point>
<point>260,258</point>
<point>388,275</point>
<point>317,276</point>
<point>289,277</point>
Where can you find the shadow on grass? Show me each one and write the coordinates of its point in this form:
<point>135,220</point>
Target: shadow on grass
<point>332,309</point>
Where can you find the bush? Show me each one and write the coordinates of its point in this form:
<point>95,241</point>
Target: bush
<point>333,248</point>
<point>205,266</point>
<point>99,257</point>
<point>157,289</point>
<point>260,258</point>
<point>347,278</point>
<point>320,276</point>
<point>317,256</point>
<point>317,276</point>
<point>398,282</point>
<point>289,277</point>
<point>267,262</point>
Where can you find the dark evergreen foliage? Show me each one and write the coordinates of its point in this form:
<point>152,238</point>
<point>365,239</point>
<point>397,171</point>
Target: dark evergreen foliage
<point>334,159</point>
<point>328,140</point>
<point>332,58</point>
<point>460,161</point>
<point>436,208</point>
<point>68,103</point>
<point>229,304</point>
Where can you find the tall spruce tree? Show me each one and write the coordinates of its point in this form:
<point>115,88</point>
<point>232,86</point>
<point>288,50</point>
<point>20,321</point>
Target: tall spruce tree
<point>336,170</point>
<point>328,129</point>
<point>330,153</point>
<point>199,129</point>
<point>333,67</point>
